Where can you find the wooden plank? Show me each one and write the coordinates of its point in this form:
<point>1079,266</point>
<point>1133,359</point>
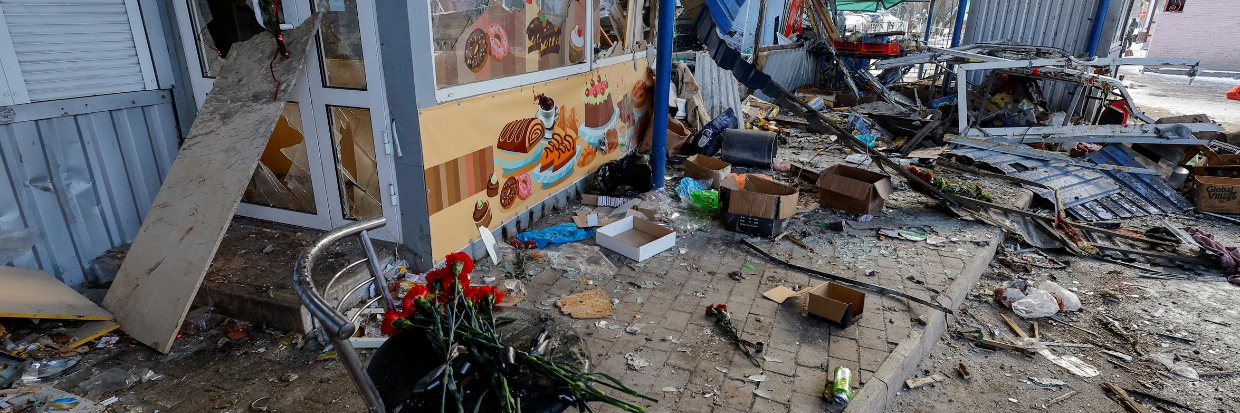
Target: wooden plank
<point>27,293</point>
<point>915,383</point>
<point>180,234</point>
<point>1016,328</point>
<point>90,331</point>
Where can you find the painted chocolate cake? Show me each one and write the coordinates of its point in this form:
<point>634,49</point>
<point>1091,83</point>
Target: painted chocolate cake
<point>599,108</point>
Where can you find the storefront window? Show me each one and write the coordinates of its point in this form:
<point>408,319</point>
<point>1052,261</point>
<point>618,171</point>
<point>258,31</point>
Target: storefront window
<point>218,24</point>
<point>624,27</point>
<point>476,40</point>
<point>341,45</point>
<point>282,178</point>
<point>357,167</point>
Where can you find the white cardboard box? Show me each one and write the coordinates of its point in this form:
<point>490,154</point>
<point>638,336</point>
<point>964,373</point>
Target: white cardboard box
<point>636,238</point>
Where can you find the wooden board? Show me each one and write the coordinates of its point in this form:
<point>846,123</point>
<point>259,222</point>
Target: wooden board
<point>27,293</point>
<point>179,237</point>
<point>90,331</point>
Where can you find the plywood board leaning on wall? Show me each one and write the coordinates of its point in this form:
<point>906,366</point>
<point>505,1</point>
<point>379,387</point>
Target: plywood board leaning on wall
<point>177,241</point>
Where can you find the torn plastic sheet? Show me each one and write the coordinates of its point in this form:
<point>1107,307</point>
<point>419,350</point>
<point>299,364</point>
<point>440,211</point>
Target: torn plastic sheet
<point>14,244</point>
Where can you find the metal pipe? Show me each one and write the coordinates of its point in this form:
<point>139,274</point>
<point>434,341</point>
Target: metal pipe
<point>1095,32</point>
<point>957,30</point>
<point>340,273</point>
<point>926,38</point>
<point>333,322</point>
<point>353,364</point>
<point>662,88</point>
<point>380,283</point>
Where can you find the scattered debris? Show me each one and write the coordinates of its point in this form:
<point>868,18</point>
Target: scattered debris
<point>635,362</point>
<point>1046,381</point>
<point>592,303</point>
<point>915,383</point>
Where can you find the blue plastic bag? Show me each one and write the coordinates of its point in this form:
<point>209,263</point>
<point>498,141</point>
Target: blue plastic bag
<point>708,140</point>
<point>686,187</point>
<point>559,234</point>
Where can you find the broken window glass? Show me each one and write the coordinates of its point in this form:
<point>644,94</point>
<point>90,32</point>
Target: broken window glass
<point>623,27</point>
<point>476,40</point>
<point>282,178</point>
<point>218,24</point>
<point>357,167</point>
<point>341,45</point>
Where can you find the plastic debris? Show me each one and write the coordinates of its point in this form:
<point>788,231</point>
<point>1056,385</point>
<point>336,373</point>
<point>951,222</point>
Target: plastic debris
<point>581,260</point>
<point>1180,369</point>
<point>1037,304</point>
<point>559,234</point>
<point>635,362</point>
<point>1068,300</point>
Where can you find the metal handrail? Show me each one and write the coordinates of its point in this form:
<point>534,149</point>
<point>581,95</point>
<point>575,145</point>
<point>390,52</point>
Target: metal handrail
<point>338,328</point>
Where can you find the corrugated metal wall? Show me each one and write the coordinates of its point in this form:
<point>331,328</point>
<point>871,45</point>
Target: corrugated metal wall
<point>791,68</point>
<point>85,175</point>
<point>720,90</point>
<point>1056,23</point>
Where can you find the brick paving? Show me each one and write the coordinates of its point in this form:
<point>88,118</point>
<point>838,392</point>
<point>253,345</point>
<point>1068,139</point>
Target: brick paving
<point>706,370</point>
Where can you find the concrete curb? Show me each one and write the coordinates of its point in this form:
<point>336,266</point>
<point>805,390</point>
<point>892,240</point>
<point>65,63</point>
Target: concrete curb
<point>904,359</point>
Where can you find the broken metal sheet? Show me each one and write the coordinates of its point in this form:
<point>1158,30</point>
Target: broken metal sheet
<point>1140,133</point>
<point>1090,194</point>
<point>1043,155</point>
<point>720,90</point>
<point>179,237</point>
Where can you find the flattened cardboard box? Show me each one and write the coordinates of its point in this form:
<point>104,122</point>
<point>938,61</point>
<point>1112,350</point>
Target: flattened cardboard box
<point>636,238</point>
<point>838,304</point>
<point>853,190</point>
<point>705,167</point>
<point>1215,194</point>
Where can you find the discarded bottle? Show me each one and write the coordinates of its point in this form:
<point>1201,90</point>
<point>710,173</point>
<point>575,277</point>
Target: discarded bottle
<point>841,388</point>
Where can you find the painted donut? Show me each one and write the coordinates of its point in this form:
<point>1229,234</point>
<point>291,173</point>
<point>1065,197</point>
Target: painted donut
<point>525,185</point>
<point>508,193</point>
<point>476,50</point>
<point>499,41</point>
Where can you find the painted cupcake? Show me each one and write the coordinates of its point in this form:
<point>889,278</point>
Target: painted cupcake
<point>493,186</point>
<point>482,213</point>
<point>577,46</point>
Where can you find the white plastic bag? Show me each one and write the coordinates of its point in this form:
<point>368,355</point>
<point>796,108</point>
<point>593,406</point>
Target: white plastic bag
<point>1036,304</point>
<point>1069,299</point>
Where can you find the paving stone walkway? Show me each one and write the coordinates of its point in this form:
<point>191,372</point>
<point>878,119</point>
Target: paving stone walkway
<point>666,297</point>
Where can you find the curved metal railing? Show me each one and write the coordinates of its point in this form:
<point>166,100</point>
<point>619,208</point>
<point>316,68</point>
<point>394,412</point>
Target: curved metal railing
<point>338,328</point>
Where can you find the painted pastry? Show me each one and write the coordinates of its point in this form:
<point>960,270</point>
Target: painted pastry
<point>525,186</point>
<point>639,94</point>
<point>508,193</point>
<point>558,152</point>
<point>543,36</point>
<point>626,110</point>
<point>493,186</point>
<point>597,98</point>
<point>547,113</point>
<point>587,156</point>
<point>476,49</point>
<point>612,142</point>
<point>577,49</point>
<point>498,40</point>
<point>482,213</point>
<point>520,135</point>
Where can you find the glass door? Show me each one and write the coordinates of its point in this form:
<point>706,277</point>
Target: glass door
<point>329,159</point>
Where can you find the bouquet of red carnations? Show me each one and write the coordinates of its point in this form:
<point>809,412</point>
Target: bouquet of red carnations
<point>461,323</point>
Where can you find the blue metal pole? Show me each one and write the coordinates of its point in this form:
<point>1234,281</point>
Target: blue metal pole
<point>662,88</point>
<point>1095,33</point>
<point>957,30</point>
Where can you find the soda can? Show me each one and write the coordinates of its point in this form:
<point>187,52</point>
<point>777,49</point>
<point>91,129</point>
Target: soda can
<point>841,388</point>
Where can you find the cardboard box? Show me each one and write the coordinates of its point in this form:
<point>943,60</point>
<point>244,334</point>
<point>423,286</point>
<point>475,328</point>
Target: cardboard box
<point>602,201</point>
<point>853,190</point>
<point>1217,194</point>
<point>836,303</point>
<point>704,167</point>
<point>760,197</point>
<point>636,238</point>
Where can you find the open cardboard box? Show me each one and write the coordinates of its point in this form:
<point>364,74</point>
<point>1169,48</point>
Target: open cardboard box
<point>853,190</point>
<point>603,201</point>
<point>762,207</point>
<point>838,304</point>
<point>704,167</point>
<point>636,238</point>
<point>1217,194</point>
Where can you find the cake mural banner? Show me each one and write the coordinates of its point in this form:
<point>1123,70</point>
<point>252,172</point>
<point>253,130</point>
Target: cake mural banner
<point>539,139</point>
